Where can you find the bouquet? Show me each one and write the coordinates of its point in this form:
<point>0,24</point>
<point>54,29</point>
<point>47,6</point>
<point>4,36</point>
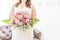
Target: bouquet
<point>21,21</point>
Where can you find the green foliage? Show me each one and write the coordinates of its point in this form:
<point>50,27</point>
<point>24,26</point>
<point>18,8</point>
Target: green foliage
<point>7,21</point>
<point>33,21</point>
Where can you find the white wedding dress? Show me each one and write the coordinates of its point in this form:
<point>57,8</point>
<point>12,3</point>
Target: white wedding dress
<point>18,34</point>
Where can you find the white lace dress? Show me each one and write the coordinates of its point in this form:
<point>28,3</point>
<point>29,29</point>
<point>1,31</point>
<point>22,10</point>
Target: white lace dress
<point>18,34</point>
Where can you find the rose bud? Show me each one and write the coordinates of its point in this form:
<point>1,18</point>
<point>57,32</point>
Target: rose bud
<point>12,21</point>
<point>26,16</point>
<point>26,21</point>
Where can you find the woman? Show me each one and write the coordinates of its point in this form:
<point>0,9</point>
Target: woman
<point>27,3</point>
<point>26,6</point>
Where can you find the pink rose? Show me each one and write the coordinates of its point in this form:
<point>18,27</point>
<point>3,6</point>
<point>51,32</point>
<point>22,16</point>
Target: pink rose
<point>12,21</point>
<point>26,16</point>
<point>18,13</point>
<point>26,21</point>
<point>17,21</point>
<point>19,17</point>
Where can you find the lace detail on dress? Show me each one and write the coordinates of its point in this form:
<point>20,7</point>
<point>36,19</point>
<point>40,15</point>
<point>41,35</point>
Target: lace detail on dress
<point>22,8</point>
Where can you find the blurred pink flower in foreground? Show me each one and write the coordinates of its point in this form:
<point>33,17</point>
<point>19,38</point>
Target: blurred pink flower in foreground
<point>26,21</point>
<point>26,16</point>
<point>12,21</point>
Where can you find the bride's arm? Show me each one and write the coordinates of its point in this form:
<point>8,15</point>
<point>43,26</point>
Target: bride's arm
<point>33,12</point>
<point>11,12</point>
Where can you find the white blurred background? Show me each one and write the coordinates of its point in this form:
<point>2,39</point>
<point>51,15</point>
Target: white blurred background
<point>48,11</point>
